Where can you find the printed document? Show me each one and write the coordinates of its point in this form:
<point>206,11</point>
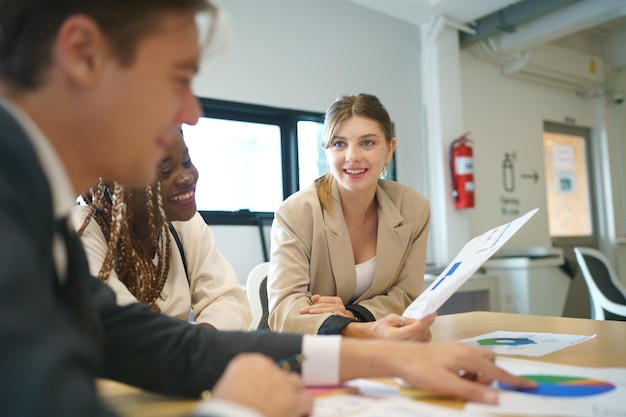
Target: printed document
<point>470,258</point>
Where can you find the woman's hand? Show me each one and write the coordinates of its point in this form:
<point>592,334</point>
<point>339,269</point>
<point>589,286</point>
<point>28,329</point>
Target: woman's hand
<point>326,304</point>
<point>396,327</point>
<point>393,327</point>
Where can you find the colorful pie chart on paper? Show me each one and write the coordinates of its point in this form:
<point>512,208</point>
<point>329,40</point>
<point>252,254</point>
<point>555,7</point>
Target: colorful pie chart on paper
<point>505,341</point>
<point>563,386</point>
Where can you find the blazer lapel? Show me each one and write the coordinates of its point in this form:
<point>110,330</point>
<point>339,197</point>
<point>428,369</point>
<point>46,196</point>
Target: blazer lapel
<point>340,248</point>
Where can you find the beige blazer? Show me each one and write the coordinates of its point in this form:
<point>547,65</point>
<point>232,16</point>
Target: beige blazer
<point>311,254</point>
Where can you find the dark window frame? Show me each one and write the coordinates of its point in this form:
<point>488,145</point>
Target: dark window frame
<point>287,120</point>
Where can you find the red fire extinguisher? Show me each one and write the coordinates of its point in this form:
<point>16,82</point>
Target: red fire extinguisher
<point>462,170</point>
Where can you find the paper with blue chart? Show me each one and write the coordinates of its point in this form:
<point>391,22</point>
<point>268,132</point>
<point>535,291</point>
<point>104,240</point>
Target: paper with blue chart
<point>470,258</point>
<point>562,390</point>
<point>525,343</point>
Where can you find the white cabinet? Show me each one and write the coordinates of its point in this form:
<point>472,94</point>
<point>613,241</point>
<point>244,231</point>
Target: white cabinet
<point>530,281</point>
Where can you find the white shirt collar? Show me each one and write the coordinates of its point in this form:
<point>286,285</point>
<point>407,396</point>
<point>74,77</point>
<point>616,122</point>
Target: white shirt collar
<point>63,196</point>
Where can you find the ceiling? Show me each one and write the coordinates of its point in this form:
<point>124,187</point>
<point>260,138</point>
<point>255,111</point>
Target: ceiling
<point>418,11</point>
<point>565,21</point>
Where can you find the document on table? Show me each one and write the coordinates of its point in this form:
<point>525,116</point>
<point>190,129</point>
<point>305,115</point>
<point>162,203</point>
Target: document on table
<point>359,406</point>
<point>471,257</point>
<point>525,343</point>
<point>574,391</point>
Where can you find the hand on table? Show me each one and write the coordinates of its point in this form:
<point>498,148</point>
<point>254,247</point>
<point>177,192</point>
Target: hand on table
<point>326,304</point>
<point>255,381</point>
<point>450,369</point>
<point>457,370</point>
<point>392,327</point>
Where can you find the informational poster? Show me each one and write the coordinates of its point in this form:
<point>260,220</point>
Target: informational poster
<point>567,185</point>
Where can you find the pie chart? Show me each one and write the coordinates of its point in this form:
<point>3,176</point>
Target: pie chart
<point>506,341</point>
<point>563,386</point>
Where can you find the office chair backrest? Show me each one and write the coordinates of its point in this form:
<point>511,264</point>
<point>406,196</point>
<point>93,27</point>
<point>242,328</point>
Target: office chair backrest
<point>256,290</point>
<point>607,294</point>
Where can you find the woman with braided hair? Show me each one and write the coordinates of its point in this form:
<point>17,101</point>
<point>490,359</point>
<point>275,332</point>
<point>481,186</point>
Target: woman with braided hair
<point>131,245</point>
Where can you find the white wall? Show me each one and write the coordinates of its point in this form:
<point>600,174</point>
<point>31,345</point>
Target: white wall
<point>506,115</point>
<point>241,245</point>
<point>302,54</point>
<point>617,132</point>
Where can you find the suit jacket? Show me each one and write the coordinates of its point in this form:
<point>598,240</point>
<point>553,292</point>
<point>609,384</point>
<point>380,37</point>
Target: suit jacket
<point>312,254</point>
<point>57,338</point>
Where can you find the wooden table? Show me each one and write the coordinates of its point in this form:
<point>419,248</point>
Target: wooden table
<point>129,401</point>
<point>608,349</point>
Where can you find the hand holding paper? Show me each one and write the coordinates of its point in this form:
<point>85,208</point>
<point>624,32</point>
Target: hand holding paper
<point>475,253</point>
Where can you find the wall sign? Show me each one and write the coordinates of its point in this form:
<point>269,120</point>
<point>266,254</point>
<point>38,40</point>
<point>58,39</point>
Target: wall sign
<point>510,203</point>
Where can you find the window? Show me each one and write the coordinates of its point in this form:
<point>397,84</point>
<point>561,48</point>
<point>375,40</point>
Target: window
<point>572,218</point>
<point>570,188</point>
<point>311,158</point>
<point>237,162</point>
<point>250,158</point>
<point>567,184</point>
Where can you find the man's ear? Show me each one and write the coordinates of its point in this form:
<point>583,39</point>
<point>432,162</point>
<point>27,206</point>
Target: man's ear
<point>80,50</point>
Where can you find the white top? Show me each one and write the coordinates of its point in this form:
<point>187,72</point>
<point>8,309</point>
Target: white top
<point>364,277</point>
<point>213,291</point>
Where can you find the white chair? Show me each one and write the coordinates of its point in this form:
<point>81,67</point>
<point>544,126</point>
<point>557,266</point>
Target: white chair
<point>606,292</point>
<point>256,290</point>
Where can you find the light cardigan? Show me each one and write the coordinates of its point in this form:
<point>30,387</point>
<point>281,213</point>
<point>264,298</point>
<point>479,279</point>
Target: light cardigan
<point>213,290</point>
<point>311,253</point>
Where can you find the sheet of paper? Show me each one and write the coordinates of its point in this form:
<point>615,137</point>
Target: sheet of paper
<point>390,387</point>
<point>332,390</point>
<point>339,405</point>
<point>525,343</point>
<point>387,407</point>
<point>375,388</point>
<point>597,392</point>
<point>471,257</point>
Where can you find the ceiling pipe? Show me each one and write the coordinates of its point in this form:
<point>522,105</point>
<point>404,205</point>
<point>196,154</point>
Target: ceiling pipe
<point>563,22</point>
<point>507,19</point>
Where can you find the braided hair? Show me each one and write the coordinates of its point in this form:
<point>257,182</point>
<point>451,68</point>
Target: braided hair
<point>113,208</point>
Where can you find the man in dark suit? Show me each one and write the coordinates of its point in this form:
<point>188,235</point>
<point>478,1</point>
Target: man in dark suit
<point>89,89</point>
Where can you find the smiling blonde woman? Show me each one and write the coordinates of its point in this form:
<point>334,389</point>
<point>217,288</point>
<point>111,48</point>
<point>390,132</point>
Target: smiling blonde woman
<point>349,252</point>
